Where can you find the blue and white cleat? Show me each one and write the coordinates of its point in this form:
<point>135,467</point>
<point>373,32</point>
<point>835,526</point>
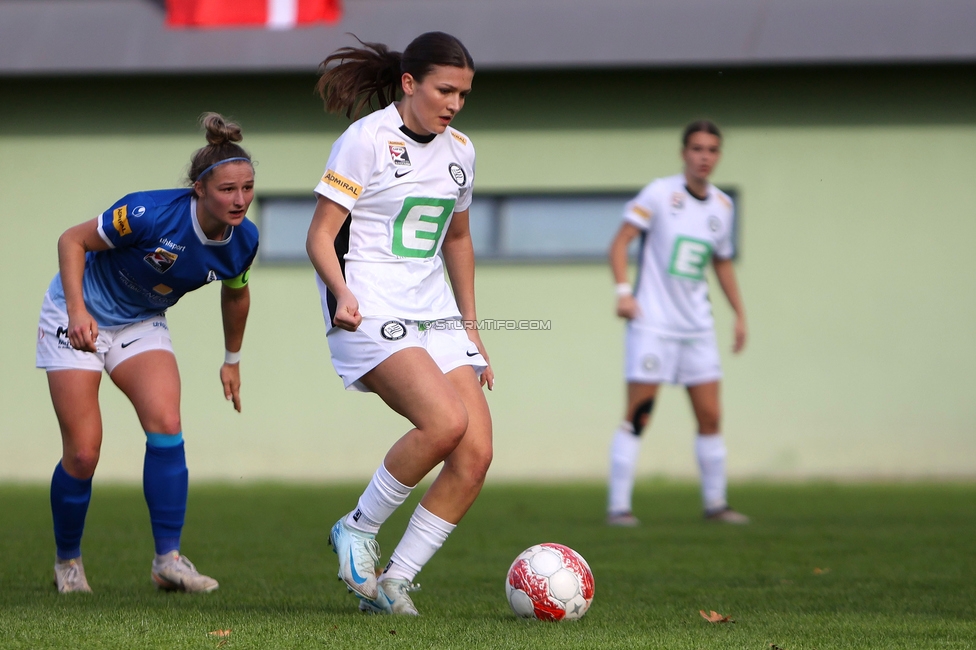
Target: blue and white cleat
<point>393,598</point>
<point>358,554</point>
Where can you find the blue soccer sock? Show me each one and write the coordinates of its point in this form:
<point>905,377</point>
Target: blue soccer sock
<point>165,482</point>
<point>69,505</point>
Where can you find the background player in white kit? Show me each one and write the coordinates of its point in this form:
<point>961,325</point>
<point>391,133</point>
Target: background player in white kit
<point>685,222</point>
<point>395,193</point>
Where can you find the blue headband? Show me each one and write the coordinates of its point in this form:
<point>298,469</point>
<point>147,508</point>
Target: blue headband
<point>217,164</point>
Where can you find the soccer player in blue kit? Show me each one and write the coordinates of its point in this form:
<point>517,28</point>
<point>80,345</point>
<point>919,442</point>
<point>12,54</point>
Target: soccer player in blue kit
<point>105,310</point>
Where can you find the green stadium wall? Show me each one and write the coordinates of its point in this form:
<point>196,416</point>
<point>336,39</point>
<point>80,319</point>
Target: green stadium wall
<point>857,203</point>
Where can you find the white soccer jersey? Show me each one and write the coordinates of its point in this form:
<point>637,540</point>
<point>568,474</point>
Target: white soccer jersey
<point>401,190</point>
<point>681,234</point>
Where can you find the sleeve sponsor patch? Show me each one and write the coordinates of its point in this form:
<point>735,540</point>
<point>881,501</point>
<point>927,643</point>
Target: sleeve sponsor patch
<point>120,219</point>
<point>460,138</point>
<point>342,184</point>
<point>641,212</point>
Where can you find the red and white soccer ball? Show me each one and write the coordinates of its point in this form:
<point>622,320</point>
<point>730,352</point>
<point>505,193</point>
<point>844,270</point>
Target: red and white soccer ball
<point>550,582</point>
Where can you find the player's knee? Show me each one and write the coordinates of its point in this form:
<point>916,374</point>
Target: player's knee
<point>448,430</point>
<point>81,463</point>
<point>642,415</point>
<point>472,469</point>
<point>709,421</point>
<point>168,424</point>
<point>478,468</point>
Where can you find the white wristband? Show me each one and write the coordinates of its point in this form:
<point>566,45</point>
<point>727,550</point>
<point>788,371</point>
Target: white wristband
<point>623,289</point>
<point>232,357</point>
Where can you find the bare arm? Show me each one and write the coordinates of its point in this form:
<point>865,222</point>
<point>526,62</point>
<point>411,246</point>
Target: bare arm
<point>459,258</point>
<point>320,245</point>
<point>234,307</point>
<point>725,273</point>
<point>73,244</point>
<point>626,304</point>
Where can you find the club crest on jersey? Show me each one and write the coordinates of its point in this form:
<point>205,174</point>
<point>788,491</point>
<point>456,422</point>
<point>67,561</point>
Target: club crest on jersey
<point>393,330</point>
<point>138,211</point>
<point>161,259</point>
<point>398,151</point>
<point>677,200</point>
<point>714,223</point>
<point>457,173</point>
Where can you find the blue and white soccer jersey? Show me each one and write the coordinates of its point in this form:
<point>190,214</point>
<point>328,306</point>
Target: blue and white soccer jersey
<point>402,191</point>
<point>672,340</point>
<point>158,253</point>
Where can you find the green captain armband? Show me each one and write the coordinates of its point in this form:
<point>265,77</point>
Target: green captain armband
<point>240,281</point>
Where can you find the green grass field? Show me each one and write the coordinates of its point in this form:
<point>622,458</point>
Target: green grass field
<point>822,566</point>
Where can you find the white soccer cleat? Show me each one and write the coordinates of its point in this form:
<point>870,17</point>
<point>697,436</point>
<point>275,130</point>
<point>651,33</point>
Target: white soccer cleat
<point>393,598</point>
<point>69,576</point>
<point>358,554</point>
<point>175,572</point>
<point>622,519</point>
<point>727,515</point>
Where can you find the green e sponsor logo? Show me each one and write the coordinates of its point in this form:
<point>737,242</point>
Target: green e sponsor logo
<point>689,258</point>
<point>419,226</point>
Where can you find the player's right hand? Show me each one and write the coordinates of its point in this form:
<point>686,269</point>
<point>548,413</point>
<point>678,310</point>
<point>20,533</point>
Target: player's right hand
<point>627,307</point>
<point>347,314</point>
<point>82,331</point>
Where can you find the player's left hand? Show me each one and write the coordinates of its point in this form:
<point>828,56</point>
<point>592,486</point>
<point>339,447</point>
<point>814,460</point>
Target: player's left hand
<point>488,376</point>
<point>740,334</point>
<point>230,377</point>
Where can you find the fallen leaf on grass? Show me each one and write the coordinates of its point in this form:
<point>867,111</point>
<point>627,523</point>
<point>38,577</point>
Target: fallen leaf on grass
<point>393,632</point>
<point>222,643</point>
<point>219,633</point>
<point>773,646</point>
<point>817,571</point>
<point>715,617</point>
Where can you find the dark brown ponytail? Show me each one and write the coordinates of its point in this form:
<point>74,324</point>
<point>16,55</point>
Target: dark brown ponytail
<point>700,126</point>
<point>353,77</point>
<point>222,138</point>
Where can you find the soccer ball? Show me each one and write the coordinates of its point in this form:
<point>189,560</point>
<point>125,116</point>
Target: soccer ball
<point>550,582</point>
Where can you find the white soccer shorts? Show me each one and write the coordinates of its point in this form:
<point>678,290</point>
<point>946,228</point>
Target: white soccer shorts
<point>655,359</point>
<point>114,344</point>
<point>356,353</point>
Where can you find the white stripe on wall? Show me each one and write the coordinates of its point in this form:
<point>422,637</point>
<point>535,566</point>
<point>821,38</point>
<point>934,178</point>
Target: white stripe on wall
<point>282,14</point>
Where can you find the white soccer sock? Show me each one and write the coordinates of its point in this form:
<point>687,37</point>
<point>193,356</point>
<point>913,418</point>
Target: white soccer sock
<point>710,450</point>
<point>383,495</point>
<point>623,463</point>
<point>425,534</point>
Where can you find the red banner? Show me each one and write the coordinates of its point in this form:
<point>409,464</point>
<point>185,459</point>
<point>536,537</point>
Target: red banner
<point>272,14</point>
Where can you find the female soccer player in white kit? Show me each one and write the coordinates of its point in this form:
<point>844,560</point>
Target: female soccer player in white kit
<point>106,310</point>
<point>684,223</point>
<point>395,193</point>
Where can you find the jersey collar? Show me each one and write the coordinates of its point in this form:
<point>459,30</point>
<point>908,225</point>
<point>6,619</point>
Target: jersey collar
<point>416,137</point>
<point>202,236</point>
